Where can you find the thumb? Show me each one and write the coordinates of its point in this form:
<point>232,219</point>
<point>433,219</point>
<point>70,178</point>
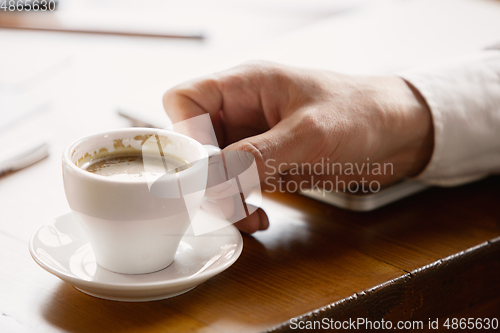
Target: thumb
<point>249,161</point>
<point>290,141</point>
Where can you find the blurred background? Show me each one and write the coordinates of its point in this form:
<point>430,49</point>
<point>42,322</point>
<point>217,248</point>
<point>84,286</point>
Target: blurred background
<point>82,67</point>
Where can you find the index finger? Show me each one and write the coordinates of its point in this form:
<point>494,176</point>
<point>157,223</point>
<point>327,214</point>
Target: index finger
<point>185,104</point>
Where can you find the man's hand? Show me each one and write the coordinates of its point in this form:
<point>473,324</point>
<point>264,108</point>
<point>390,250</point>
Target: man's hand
<point>288,116</point>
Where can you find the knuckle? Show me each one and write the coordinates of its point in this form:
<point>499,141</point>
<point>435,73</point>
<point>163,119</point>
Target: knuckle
<point>168,94</point>
<point>313,126</point>
<point>261,68</point>
<point>191,87</point>
<point>256,64</point>
<point>309,120</point>
<point>174,92</point>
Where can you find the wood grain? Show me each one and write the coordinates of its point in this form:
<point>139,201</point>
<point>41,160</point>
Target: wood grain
<point>464,285</point>
<point>313,257</point>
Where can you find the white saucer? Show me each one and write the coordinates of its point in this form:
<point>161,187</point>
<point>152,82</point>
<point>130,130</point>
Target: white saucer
<point>61,248</point>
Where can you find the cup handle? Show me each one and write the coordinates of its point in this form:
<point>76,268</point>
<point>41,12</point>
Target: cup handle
<point>216,174</point>
<point>212,150</point>
<point>222,207</point>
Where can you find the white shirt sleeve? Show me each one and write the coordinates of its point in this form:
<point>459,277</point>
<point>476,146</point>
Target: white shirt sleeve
<point>464,98</point>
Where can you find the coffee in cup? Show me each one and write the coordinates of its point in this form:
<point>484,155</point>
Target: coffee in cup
<point>131,166</point>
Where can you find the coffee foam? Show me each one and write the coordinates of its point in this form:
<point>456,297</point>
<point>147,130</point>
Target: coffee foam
<point>131,166</point>
<point>116,146</point>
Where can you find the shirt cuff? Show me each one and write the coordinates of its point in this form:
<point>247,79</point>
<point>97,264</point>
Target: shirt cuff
<point>464,100</point>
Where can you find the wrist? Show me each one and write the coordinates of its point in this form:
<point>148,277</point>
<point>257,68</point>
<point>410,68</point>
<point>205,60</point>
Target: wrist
<point>421,145</point>
<point>410,139</point>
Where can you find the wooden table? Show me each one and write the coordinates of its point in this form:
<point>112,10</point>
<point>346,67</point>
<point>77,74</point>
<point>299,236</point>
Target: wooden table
<point>434,255</point>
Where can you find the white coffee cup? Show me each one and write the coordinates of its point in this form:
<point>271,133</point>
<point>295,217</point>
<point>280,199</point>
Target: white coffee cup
<point>131,230</point>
